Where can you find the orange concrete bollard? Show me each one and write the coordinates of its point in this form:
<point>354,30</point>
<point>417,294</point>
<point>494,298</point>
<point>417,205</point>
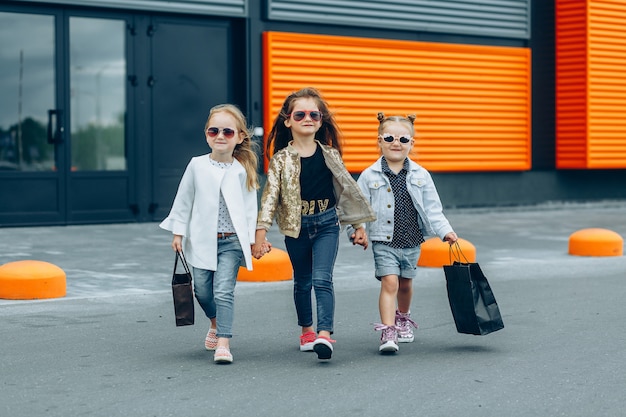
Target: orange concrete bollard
<point>436,253</point>
<point>596,242</point>
<point>273,266</point>
<point>29,280</point>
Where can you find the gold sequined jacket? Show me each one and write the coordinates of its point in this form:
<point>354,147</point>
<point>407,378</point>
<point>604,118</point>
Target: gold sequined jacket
<point>281,195</point>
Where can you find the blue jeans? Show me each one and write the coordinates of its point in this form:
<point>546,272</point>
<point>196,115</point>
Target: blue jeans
<point>312,256</point>
<point>215,290</point>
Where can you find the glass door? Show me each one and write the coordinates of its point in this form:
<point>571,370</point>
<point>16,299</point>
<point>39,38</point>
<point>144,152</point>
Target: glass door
<point>63,118</point>
<point>101,110</point>
<point>31,129</point>
<point>27,84</point>
<point>97,94</point>
<point>99,185</point>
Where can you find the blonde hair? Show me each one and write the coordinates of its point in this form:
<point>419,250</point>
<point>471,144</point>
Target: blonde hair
<point>407,121</point>
<point>245,151</point>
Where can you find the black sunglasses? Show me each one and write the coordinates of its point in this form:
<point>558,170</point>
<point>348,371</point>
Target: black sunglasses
<point>214,131</point>
<point>402,139</point>
<point>316,115</point>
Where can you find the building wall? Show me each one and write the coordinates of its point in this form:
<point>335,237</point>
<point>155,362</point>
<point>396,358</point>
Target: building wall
<point>590,86</point>
<point>486,181</point>
<point>230,8</point>
<point>502,18</point>
<point>472,101</point>
<point>485,78</point>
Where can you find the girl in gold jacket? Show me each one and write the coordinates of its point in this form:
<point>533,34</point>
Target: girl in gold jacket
<point>310,193</point>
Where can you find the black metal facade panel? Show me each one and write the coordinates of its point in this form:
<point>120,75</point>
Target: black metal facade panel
<point>493,18</point>
<point>232,8</point>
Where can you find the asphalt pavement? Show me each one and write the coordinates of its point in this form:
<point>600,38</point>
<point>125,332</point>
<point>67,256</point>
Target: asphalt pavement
<point>110,346</point>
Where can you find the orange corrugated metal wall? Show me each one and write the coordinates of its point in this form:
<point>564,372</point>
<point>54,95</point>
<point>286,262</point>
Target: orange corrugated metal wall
<point>472,102</point>
<point>571,91</point>
<point>590,84</point>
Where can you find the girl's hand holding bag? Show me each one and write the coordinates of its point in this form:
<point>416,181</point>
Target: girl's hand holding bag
<point>472,302</point>
<point>183,293</point>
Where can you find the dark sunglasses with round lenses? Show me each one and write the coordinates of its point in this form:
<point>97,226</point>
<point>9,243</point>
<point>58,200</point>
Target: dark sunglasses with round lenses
<point>391,138</point>
<point>227,132</point>
<point>299,115</point>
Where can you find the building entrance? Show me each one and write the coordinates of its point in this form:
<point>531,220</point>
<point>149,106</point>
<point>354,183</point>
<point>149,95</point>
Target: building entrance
<point>101,111</point>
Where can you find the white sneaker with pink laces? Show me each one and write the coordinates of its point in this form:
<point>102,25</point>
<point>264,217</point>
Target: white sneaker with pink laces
<point>388,338</point>
<point>405,324</point>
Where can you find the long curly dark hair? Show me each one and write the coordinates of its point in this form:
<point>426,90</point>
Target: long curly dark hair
<point>280,135</point>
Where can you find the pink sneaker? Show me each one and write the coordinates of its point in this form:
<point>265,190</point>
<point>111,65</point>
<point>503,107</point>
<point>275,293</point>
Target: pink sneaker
<point>222,355</point>
<point>405,324</point>
<point>307,340</point>
<point>388,338</point>
<point>323,346</point>
<point>210,342</point>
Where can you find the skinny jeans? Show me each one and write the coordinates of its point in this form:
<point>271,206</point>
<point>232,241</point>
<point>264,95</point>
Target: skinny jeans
<point>312,256</point>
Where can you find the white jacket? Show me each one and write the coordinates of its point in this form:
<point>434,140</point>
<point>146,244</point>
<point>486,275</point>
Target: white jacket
<point>195,210</point>
<point>377,189</point>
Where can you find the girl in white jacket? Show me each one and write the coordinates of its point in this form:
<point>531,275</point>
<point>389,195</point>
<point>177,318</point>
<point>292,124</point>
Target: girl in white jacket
<point>215,210</point>
<point>407,207</point>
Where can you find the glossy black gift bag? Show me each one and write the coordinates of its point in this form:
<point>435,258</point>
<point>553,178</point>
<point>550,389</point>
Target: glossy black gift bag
<point>472,302</point>
<point>183,293</point>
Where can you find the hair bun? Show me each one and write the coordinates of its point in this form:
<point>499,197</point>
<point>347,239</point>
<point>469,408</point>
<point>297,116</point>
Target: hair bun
<point>381,117</point>
<point>411,117</point>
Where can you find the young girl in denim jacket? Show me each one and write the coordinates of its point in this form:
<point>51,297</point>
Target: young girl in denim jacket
<point>310,192</point>
<point>407,208</point>
<point>215,209</point>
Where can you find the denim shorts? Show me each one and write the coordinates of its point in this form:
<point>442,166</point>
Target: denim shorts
<point>394,261</point>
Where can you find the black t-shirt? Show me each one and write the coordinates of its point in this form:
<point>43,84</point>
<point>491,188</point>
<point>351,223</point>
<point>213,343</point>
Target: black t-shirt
<point>316,184</point>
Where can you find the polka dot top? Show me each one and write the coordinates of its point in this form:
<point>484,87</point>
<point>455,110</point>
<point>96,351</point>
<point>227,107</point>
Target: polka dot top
<point>224,222</point>
<point>406,229</point>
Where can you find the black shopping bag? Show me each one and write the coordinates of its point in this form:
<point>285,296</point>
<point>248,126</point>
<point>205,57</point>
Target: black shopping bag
<point>183,293</point>
<point>472,302</point>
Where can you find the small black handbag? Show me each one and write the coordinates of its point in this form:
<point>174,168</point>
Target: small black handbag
<point>183,293</point>
<point>472,302</point>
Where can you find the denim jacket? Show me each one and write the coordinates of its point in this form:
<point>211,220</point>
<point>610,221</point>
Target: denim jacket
<point>281,195</point>
<point>377,189</point>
